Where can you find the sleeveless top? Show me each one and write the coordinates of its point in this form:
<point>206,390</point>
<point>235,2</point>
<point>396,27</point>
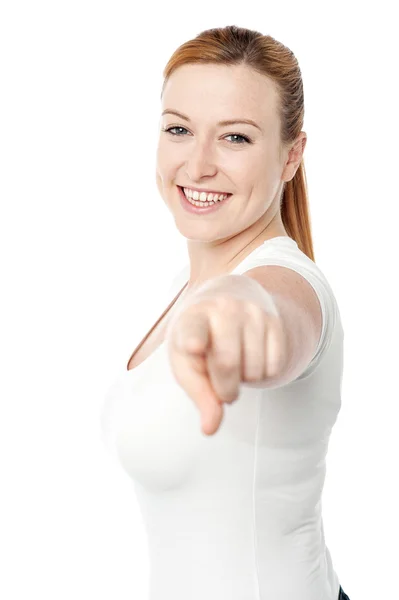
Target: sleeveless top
<point>236,515</point>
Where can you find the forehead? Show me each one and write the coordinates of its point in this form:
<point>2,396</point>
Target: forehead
<point>209,93</point>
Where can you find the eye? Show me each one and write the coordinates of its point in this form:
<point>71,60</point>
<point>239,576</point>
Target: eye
<point>169,130</point>
<point>235,135</point>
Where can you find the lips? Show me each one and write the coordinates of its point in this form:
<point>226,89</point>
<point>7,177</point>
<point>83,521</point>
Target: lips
<point>200,192</point>
<point>201,210</point>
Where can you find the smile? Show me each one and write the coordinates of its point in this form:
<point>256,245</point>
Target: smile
<point>203,198</point>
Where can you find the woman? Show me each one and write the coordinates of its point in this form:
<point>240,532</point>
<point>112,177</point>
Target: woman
<point>253,341</point>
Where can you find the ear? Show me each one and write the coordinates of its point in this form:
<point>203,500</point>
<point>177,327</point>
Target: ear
<point>295,157</point>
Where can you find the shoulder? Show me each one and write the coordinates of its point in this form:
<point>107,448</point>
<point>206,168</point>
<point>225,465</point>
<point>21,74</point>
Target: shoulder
<point>288,283</point>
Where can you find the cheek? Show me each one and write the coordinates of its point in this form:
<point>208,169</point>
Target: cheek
<point>161,171</point>
<point>165,163</point>
<point>159,182</point>
<point>247,169</point>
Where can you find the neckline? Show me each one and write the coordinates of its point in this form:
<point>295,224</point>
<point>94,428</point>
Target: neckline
<point>144,339</point>
<point>172,302</point>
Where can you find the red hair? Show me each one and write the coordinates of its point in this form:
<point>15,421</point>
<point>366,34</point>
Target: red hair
<point>233,45</point>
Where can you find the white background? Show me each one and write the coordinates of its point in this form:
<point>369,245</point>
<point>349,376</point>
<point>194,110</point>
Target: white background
<point>79,112</point>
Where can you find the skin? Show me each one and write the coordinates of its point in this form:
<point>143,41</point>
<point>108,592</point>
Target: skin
<point>224,337</point>
<point>224,333</point>
<point>205,155</point>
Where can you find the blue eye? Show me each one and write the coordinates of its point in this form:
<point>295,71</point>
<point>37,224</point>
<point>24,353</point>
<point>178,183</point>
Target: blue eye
<point>235,135</point>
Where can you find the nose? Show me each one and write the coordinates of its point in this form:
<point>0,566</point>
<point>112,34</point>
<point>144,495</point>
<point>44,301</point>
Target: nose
<point>200,162</point>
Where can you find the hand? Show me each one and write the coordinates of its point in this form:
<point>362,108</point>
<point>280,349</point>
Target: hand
<point>217,342</point>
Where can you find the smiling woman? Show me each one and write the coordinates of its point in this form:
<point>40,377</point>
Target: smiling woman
<point>254,162</point>
<point>235,513</point>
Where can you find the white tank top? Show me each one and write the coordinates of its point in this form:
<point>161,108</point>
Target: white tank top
<point>236,515</point>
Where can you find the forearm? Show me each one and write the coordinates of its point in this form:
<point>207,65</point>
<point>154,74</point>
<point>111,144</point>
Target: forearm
<point>238,286</point>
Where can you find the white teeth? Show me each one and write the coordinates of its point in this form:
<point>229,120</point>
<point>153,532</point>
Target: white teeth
<point>203,196</point>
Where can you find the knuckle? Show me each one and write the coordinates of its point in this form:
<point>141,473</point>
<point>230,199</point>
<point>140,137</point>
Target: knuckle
<point>252,376</point>
<point>228,305</point>
<point>254,313</point>
<point>225,362</point>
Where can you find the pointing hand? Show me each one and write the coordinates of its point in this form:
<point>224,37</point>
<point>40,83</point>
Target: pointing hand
<point>218,341</point>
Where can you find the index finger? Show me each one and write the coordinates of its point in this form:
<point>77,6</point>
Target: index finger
<point>188,359</point>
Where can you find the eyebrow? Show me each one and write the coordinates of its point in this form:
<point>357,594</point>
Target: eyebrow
<point>221,123</point>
